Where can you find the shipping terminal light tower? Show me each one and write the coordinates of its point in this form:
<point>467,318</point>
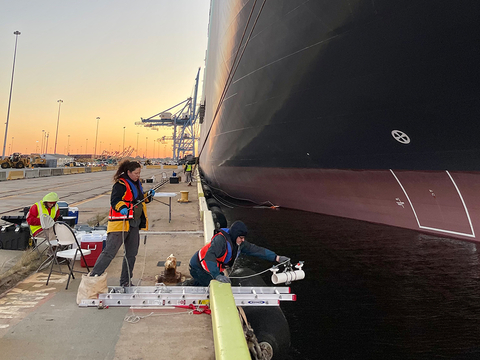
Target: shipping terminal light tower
<point>183,121</point>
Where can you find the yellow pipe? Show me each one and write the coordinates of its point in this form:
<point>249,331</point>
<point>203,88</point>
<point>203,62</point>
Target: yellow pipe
<point>228,334</point>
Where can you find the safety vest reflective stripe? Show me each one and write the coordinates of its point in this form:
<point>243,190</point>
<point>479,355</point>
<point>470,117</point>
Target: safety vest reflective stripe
<point>220,261</point>
<point>41,209</point>
<point>189,167</point>
<point>115,215</point>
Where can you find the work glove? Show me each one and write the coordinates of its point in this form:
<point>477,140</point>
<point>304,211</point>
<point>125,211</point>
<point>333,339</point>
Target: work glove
<point>151,193</point>
<point>124,211</point>
<point>223,279</point>
<point>282,259</point>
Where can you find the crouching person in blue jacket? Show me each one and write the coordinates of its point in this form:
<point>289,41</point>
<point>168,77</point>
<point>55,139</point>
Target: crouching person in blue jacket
<point>210,261</point>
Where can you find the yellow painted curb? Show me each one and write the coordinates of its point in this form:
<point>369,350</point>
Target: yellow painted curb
<point>228,334</point>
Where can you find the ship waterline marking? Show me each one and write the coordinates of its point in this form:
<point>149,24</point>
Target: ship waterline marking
<point>436,229</point>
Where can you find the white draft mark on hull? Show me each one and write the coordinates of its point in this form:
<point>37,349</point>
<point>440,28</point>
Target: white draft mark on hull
<point>472,235</point>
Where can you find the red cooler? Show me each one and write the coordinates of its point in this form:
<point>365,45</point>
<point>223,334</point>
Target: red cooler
<point>94,243</point>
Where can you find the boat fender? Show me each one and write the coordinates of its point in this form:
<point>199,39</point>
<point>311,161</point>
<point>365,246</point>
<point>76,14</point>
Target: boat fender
<point>212,202</point>
<point>268,322</point>
<point>207,191</point>
<point>219,218</point>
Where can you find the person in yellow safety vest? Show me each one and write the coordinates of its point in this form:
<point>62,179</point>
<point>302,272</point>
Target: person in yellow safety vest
<point>188,173</point>
<point>210,261</point>
<point>128,214</point>
<point>48,206</point>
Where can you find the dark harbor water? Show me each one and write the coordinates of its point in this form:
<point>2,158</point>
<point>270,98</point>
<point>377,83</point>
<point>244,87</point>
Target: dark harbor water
<point>372,291</point>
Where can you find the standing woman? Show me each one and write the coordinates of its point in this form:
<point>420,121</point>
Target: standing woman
<point>126,217</point>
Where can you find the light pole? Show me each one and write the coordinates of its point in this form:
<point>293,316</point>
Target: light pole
<point>58,120</point>
<point>12,144</point>
<point>43,138</point>
<point>46,143</point>
<point>86,143</point>
<point>68,145</point>
<point>96,136</point>
<point>16,33</point>
<point>146,143</point>
<point>153,148</point>
<point>36,146</point>
<point>137,143</point>
<point>123,148</point>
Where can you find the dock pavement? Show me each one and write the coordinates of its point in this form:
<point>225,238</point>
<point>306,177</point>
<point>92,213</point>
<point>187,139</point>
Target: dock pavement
<point>44,322</point>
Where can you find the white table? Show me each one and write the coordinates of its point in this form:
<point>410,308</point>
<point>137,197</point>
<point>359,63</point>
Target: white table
<point>169,196</point>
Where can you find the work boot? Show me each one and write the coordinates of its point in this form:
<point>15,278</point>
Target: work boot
<point>188,282</point>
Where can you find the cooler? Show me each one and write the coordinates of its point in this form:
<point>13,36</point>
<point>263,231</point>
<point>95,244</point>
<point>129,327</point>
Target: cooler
<point>62,208</point>
<point>73,212</point>
<point>94,243</point>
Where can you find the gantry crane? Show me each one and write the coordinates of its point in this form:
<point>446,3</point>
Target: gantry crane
<point>183,121</point>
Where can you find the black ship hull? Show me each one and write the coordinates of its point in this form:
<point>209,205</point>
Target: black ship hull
<point>361,109</point>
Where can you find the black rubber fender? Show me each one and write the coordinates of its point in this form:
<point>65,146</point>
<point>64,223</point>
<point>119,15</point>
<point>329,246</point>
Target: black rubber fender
<point>219,218</point>
<point>212,202</point>
<point>268,322</point>
<point>207,192</point>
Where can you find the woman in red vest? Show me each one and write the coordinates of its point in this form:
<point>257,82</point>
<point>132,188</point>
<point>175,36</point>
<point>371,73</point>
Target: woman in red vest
<point>128,215</point>
<point>210,261</point>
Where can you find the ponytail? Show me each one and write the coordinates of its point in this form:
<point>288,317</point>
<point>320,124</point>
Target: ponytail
<point>124,166</point>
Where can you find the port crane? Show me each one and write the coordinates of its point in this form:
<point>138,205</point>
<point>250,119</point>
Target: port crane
<point>127,152</point>
<point>183,121</point>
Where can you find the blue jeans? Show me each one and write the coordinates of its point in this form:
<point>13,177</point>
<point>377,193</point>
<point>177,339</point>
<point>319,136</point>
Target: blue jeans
<point>200,276</point>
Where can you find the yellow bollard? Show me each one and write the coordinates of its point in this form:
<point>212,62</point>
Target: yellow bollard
<point>184,197</point>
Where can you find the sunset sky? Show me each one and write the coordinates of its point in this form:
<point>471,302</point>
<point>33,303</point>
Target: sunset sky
<point>117,60</point>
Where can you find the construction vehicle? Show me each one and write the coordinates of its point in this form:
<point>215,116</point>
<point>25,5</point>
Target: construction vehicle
<point>16,160</point>
<point>37,161</point>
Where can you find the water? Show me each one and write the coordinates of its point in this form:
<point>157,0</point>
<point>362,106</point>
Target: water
<point>372,291</point>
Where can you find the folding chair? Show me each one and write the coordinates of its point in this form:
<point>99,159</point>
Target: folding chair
<point>66,237</point>
<point>47,223</point>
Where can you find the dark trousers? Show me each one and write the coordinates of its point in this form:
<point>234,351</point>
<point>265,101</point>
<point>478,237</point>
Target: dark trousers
<point>114,242</point>
<point>200,276</point>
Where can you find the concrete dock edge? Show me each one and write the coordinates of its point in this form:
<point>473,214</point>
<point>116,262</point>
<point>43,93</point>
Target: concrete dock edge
<point>228,333</point>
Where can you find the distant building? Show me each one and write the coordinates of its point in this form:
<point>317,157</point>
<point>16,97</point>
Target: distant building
<point>58,160</point>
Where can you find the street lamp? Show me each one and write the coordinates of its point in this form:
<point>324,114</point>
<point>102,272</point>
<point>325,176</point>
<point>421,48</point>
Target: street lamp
<point>123,148</point>
<point>68,145</point>
<point>86,143</point>
<point>36,146</point>
<point>43,138</point>
<point>137,143</point>
<point>146,143</point>
<point>153,148</point>
<point>58,120</point>
<point>12,144</point>
<point>16,33</point>
<point>46,143</point>
<point>96,136</point>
